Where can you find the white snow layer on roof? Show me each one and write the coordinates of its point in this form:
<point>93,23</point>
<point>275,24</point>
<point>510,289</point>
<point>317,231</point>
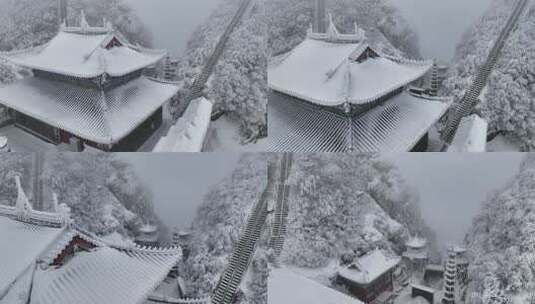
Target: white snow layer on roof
<point>395,126</point>
<point>416,242</point>
<point>305,73</point>
<point>471,135</point>
<point>104,275</point>
<point>284,286</point>
<point>84,55</point>
<point>189,133</point>
<point>369,267</point>
<point>103,117</point>
<point>21,246</point>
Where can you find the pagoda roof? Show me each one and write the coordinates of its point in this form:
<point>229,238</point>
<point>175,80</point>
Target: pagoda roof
<point>86,52</point>
<point>189,133</point>
<point>369,267</point>
<point>104,117</point>
<point>329,73</point>
<point>395,126</point>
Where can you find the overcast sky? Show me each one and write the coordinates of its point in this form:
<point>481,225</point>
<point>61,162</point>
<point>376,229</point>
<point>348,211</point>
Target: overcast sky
<point>452,186</point>
<point>173,21</point>
<point>180,180</point>
<point>440,24</point>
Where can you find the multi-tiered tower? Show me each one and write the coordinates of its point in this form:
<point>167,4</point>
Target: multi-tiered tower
<point>450,278</point>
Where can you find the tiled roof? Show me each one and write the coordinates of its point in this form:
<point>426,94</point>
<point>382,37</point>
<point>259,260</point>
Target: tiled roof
<point>395,126</point>
<point>103,117</point>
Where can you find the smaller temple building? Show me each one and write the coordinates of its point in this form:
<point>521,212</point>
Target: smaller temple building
<point>416,254</point>
<point>370,278</point>
<point>88,89</point>
<point>148,235</point>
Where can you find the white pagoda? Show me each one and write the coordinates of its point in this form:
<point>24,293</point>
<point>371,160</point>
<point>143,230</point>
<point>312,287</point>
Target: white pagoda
<point>335,92</point>
<point>46,259</point>
<point>88,89</point>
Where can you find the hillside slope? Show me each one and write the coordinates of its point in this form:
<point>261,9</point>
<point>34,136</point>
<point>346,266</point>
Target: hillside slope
<point>502,243</point>
<point>508,99</point>
<point>104,194</point>
<point>217,226</point>
<point>238,85</point>
<point>342,206</point>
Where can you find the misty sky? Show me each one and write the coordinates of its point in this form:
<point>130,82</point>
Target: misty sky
<point>440,24</point>
<point>180,180</point>
<point>173,21</point>
<point>452,186</point>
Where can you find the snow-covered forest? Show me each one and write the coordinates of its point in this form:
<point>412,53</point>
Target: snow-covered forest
<point>387,31</point>
<point>343,206</point>
<point>217,228</point>
<point>502,243</point>
<point>507,101</point>
<point>238,85</point>
<point>103,192</point>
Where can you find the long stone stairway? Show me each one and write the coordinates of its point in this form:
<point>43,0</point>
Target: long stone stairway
<point>471,97</point>
<point>282,208</point>
<point>200,81</point>
<point>245,248</point>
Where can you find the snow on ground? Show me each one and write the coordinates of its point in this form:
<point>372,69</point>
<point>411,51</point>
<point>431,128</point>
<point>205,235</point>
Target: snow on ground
<point>471,135</point>
<point>223,136</point>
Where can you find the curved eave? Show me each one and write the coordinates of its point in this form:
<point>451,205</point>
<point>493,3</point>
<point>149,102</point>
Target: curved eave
<point>22,63</point>
<point>359,101</point>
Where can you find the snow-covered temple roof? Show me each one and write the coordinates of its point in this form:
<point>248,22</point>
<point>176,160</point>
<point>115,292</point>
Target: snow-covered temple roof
<point>104,117</point>
<point>416,242</point>
<point>86,52</point>
<point>333,71</point>
<point>369,267</point>
<point>395,126</point>
<point>284,286</point>
<point>189,133</point>
<point>36,265</point>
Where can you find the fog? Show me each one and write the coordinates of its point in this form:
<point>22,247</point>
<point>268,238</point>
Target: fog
<point>440,24</point>
<point>179,181</point>
<point>173,21</point>
<point>453,186</point>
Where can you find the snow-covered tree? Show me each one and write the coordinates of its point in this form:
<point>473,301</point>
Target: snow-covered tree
<point>346,205</point>
<point>217,227</point>
<point>289,20</point>
<point>507,101</point>
<point>501,240</point>
<point>238,84</point>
